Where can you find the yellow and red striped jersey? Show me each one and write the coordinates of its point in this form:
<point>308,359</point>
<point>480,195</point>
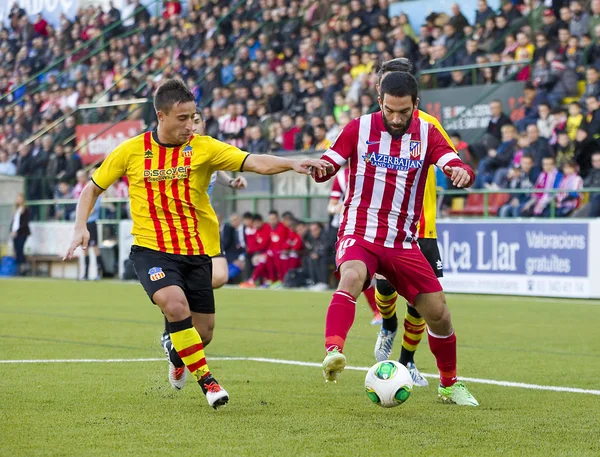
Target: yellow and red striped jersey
<point>170,207</point>
<point>426,226</point>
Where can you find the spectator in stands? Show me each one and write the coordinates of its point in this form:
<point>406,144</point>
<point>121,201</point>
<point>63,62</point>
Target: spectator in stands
<point>7,168</point>
<point>564,149</point>
<point>550,178</point>
<point>483,12</point>
<point>257,144</point>
<point>579,22</point>
<point>63,211</point>
<point>497,159</point>
<point>501,176</point>
<point>462,148</point>
<point>289,133</point>
<point>545,121</point>
<point>592,180</point>
<point>19,231</point>
<point>498,119</point>
<point>318,255</point>
<point>588,135</point>
<point>538,146</point>
<point>574,120</point>
<point>232,127</point>
<point>592,84</point>
<point>521,176</point>
<point>567,202</point>
<point>458,20</point>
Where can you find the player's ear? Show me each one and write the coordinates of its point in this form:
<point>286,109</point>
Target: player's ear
<point>380,101</point>
<point>417,103</point>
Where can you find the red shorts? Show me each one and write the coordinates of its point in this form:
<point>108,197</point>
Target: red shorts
<point>407,270</point>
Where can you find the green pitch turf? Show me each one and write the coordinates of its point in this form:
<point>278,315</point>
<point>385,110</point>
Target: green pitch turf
<point>129,409</point>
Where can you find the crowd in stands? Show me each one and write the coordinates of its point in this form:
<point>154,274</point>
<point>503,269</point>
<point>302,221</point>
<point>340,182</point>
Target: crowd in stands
<point>287,75</point>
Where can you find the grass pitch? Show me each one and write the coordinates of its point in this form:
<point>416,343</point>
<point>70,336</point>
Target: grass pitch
<point>123,409</point>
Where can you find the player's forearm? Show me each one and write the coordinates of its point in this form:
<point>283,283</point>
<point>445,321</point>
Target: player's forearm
<point>268,165</point>
<point>223,178</point>
<point>86,203</point>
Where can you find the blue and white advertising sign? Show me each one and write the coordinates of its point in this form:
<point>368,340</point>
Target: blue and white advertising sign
<point>546,258</point>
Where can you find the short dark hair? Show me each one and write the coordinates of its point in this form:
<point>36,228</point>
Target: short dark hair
<point>399,64</point>
<point>454,134</point>
<point>399,84</point>
<point>199,113</point>
<point>257,217</point>
<point>247,215</point>
<point>527,156</point>
<point>274,213</point>
<point>288,214</point>
<point>172,92</point>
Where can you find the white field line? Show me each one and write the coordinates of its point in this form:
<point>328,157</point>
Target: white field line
<point>494,382</point>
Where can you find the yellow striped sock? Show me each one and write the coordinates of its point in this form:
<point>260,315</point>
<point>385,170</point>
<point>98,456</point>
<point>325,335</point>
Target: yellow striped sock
<point>414,327</point>
<point>188,345</point>
<point>386,304</point>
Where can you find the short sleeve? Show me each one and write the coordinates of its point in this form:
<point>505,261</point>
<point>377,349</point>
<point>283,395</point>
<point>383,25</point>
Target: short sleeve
<point>226,157</point>
<point>113,167</point>
<point>344,146</point>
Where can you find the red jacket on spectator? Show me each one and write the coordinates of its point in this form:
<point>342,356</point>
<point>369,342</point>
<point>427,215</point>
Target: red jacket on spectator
<point>259,241</point>
<point>289,138</point>
<point>279,238</point>
<point>41,27</point>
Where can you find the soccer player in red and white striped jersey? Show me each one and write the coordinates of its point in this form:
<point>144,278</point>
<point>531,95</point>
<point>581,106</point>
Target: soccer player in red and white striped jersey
<point>389,153</point>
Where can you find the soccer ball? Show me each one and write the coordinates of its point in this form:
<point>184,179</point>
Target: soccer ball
<point>388,384</point>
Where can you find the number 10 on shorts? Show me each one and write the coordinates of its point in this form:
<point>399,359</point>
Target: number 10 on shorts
<point>344,244</point>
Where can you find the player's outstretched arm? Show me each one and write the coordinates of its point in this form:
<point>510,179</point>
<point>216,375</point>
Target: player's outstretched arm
<point>235,183</point>
<point>86,203</point>
<point>265,164</point>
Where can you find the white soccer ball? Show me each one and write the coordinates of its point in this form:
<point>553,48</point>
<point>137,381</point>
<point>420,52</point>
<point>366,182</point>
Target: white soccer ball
<point>388,384</point>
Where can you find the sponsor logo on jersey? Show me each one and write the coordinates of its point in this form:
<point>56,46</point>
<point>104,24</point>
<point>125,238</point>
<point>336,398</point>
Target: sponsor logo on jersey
<point>187,151</point>
<point>156,273</point>
<point>181,172</point>
<point>394,163</point>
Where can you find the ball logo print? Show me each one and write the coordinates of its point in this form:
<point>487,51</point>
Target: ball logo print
<point>156,273</point>
<point>388,384</point>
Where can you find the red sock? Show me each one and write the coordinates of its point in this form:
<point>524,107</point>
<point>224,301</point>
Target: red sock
<point>260,271</point>
<point>370,296</point>
<point>340,317</point>
<point>271,269</point>
<point>444,350</point>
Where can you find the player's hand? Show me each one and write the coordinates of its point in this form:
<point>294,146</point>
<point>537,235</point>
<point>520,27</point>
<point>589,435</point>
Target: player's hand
<point>459,176</point>
<point>315,167</point>
<point>239,183</point>
<point>81,237</point>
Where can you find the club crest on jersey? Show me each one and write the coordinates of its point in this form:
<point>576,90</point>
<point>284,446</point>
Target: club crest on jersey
<point>156,273</point>
<point>187,151</point>
<point>415,149</point>
<point>148,154</point>
<point>394,163</point>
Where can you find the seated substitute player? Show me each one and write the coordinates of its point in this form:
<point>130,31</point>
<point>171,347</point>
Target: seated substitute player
<point>175,229</point>
<point>389,153</point>
<point>220,274</point>
<point>386,296</point>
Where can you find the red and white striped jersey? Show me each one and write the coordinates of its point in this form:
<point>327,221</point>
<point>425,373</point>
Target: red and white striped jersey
<point>232,130</point>
<point>387,177</point>
<point>340,184</point>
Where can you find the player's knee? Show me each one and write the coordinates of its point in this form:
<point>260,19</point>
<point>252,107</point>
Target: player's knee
<point>176,309</point>
<point>352,281</point>
<point>384,287</point>
<point>439,319</point>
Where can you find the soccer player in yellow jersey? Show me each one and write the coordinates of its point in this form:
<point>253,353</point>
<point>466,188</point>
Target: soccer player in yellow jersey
<point>385,295</point>
<point>175,229</point>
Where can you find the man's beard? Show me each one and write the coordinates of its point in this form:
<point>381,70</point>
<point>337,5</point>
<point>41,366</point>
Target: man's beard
<point>394,129</point>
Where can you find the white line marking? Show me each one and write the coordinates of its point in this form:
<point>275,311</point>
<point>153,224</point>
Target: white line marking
<point>493,382</point>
